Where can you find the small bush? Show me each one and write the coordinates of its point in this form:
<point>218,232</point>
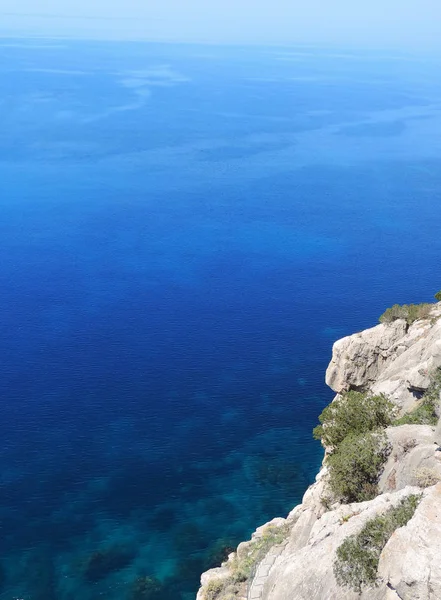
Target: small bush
<point>434,390</point>
<point>354,469</point>
<point>409,312</point>
<point>438,296</point>
<point>326,501</point>
<point>407,444</point>
<point>426,413</point>
<point>426,477</point>
<point>357,559</point>
<point>242,567</point>
<point>393,313</point>
<point>353,413</point>
<point>214,588</point>
<point>222,589</point>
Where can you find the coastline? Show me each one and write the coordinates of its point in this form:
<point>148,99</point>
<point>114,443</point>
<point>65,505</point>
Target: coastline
<point>294,558</point>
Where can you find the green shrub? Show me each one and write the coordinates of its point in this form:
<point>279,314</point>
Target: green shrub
<point>426,477</point>
<point>214,588</point>
<point>357,559</point>
<point>434,389</point>
<point>223,589</point>
<point>355,467</point>
<point>426,412</point>
<point>242,567</point>
<point>408,312</point>
<point>393,313</point>
<point>438,296</point>
<point>353,413</point>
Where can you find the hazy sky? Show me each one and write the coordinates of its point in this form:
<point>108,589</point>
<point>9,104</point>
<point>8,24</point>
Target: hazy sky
<point>400,24</point>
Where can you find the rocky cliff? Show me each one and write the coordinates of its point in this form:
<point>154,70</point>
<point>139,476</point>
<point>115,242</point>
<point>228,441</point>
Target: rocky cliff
<point>394,537</point>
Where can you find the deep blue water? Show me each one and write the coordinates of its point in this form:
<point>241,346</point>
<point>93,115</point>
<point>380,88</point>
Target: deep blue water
<point>185,231</point>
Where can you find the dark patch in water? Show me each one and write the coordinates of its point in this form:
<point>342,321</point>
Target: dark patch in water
<point>104,561</point>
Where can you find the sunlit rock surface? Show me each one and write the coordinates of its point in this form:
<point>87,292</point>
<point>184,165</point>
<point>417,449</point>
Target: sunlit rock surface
<point>397,360</point>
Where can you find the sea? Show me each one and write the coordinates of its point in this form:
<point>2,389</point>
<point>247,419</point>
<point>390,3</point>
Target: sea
<point>185,231</point>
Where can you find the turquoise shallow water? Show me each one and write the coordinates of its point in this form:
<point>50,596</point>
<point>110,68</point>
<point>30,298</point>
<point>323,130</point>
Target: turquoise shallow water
<point>185,231</point>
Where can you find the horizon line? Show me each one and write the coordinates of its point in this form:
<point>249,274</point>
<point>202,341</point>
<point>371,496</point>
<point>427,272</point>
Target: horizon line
<point>348,48</point>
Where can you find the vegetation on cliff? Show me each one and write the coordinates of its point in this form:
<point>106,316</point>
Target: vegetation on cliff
<point>241,567</point>
<point>426,411</point>
<point>351,430</point>
<point>355,468</point>
<point>358,556</point>
<point>352,413</point>
<point>409,312</point>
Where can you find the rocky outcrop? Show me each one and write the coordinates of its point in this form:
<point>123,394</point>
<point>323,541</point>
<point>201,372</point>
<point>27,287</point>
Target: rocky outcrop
<point>393,359</point>
<point>414,459</point>
<point>396,360</point>
<point>307,572</point>
<point>410,562</point>
<point>358,359</point>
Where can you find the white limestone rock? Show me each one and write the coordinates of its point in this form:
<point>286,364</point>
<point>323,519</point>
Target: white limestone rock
<point>307,573</point>
<point>392,359</point>
<point>414,458</point>
<point>410,563</point>
<point>396,360</point>
<point>358,359</point>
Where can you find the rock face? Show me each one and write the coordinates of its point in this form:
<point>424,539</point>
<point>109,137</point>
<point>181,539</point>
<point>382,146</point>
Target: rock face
<point>414,458</point>
<point>358,359</point>
<point>396,360</point>
<point>306,573</point>
<point>410,561</point>
<point>392,359</point>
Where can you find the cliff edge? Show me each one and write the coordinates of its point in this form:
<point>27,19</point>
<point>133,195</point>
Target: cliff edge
<point>381,538</point>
